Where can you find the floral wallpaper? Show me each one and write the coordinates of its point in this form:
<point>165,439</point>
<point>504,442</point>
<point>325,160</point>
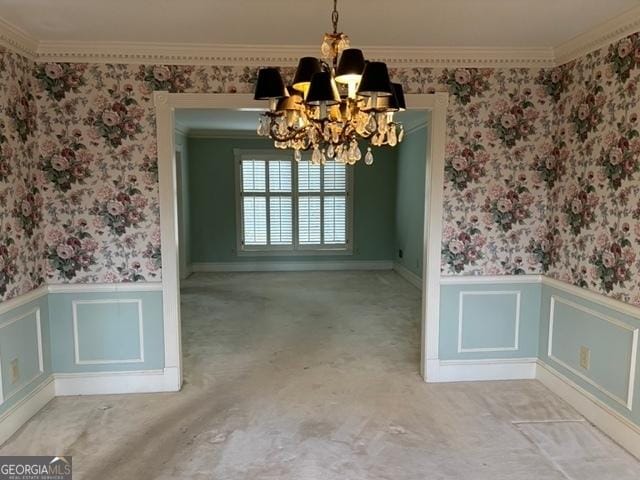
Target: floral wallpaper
<point>97,153</point>
<point>495,193</point>
<point>21,200</point>
<point>97,156</point>
<point>593,220</point>
<point>541,168</point>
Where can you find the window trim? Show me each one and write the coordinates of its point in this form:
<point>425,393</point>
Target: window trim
<point>295,249</point>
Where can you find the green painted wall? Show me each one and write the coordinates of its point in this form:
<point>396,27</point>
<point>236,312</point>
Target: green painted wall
<point>212,205</point>
<point>409,221</point>
<point>184,216</point>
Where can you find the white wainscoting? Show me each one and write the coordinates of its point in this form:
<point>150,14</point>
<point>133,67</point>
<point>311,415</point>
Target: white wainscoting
<point>292,266</point>
<point>33,312</point>
<point>17,302</point>
<point>631,368</point>
<point>18,414</point>
<point>108,383</point>
<point>516,320</point>
<point>108,301</point>
<point>104,287</point>
<point>480,370</point>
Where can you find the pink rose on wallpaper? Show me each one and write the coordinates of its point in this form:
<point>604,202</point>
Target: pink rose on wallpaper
<point>628,255</point>
<point>501,106</point>
<point>508,120</point>
<point>54,236</point>
<point>625,47</point>
<point>155,237</point>
<point>115,208</point>
<point>448,232</point>
<point>161,73</point>
<point>619,157</point>
<point>110,118</point>
<point>608,259</point>
<point>110,277</point>
<point>53,70</point>
<point>173,78</point>
<point>116,119</point>
<point>64,252</point>
<point>494,270</point>
<point>602,239</point>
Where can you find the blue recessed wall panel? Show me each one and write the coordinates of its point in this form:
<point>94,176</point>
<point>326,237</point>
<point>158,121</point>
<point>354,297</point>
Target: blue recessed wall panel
<point>24,351</point>
<point>110,331</point>
<point>487,321</point>
<point>608,332</point>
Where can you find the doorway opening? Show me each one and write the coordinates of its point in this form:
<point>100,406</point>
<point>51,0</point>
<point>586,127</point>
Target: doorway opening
<point>239,205</point>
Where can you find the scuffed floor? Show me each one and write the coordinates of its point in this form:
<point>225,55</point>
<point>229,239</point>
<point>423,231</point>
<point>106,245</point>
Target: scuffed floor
<point>313,376</point>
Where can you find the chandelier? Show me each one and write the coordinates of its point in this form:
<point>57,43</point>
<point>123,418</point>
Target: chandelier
<point>332,104</point>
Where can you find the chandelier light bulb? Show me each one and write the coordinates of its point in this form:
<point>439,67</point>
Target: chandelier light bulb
<point>297,156</point>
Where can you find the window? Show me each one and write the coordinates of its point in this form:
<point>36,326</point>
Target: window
<point>285,205</point>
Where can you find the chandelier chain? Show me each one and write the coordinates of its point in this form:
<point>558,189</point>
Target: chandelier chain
<point>335,16</point>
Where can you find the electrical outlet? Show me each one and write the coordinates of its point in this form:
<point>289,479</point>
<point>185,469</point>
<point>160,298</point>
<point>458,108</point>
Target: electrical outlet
<point>15,371</point>
<point>585,357</point>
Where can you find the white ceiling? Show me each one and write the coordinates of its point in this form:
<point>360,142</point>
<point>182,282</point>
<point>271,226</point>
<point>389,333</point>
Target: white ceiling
<point>220,120</point>
<point>410,23</point>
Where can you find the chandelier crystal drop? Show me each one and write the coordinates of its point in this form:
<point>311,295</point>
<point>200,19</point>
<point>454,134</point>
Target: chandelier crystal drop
<point>332,104</point>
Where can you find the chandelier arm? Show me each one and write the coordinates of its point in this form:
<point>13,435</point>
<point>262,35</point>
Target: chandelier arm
<point>279,138</point>
<point>335,16</point>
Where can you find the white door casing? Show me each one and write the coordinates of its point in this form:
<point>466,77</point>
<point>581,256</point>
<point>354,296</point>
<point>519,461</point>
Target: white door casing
<point>166,104</point>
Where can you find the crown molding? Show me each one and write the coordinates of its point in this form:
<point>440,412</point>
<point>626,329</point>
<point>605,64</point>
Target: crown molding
<point>600,36</point>
<point>283,55</point>
<point>18,40</point>
<point>172,53</point>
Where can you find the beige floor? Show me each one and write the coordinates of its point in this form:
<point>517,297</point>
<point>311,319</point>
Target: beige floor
<point>307,376</point>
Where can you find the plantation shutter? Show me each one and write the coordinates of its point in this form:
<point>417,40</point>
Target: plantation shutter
<point>255,220</point>
<point>289,206</point>
<point>267,214</point>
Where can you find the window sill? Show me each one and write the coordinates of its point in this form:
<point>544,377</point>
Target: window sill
<point>326,252</point>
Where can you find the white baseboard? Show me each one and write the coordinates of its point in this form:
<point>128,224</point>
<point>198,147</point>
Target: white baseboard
<point>619,428</point>
<point>478,370</point>
<point>107,383</point>
<point>292,266</point>
<point>24,409</point>
<point>408,275</point>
